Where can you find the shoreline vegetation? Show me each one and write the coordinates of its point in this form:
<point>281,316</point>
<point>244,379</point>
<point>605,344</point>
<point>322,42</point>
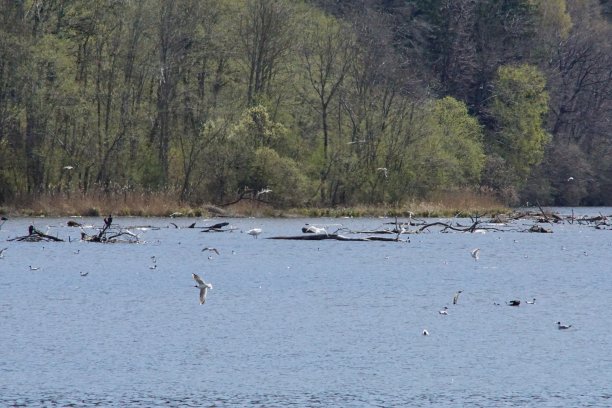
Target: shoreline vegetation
<point>166,204</point>
<point>371,109</point>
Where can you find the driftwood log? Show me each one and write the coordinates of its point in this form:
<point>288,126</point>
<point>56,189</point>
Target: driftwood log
<point>219,227</point>
<point>337,237</point>
<point>109,235</point>
<point>35,235</point>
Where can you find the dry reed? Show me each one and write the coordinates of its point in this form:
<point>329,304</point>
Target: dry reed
<point>162,204</point>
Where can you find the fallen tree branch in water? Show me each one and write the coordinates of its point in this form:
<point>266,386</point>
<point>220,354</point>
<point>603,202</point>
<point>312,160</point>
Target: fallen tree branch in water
<point>110,235</point>
<point>337,237</point>
<point>35,235</point>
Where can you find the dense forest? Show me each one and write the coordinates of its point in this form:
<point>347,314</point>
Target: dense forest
<point>307,103</point>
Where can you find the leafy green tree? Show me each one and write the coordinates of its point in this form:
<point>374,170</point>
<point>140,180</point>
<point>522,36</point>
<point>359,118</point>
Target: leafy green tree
<point>517,107</point>
<point>450,152</point>
<point>288,185</point>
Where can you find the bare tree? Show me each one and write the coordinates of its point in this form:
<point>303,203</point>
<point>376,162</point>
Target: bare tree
<point>266,37</point>
<point>327,57</point>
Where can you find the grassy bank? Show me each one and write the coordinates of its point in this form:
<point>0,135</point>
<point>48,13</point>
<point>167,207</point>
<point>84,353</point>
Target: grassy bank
<point>163,204</point>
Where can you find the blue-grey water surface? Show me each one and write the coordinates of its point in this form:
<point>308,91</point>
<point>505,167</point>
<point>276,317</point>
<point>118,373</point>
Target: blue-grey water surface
<point>304,323</point>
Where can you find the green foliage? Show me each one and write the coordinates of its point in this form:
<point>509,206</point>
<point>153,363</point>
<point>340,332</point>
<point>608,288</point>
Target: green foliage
<point>518,106</point>
<point>255,129</point>
<point>282,175</point>
<point>211,98</point>
<point>450,152</point>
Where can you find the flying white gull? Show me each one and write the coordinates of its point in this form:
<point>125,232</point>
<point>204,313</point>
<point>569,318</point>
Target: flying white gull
<point>476,254</point>
<point>456,297</point>
<point>211,250</point>
<point>203,286</point>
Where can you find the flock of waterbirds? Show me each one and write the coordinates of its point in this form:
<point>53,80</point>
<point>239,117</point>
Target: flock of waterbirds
<point>203,286</point>
<point>475,253</point>
<point>255,232</point>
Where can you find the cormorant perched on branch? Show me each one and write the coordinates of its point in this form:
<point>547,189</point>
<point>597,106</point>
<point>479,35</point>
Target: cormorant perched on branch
<point>108,220</point>
<point>32,230</point>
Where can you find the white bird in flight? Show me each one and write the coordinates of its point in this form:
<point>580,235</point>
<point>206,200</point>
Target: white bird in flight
<point>425,332</point>
<point>384,171</point>
<point>476,253</point>
<point>2,252</point>
<point>211,250</point>
<point>203,286</point>
<point>254,232</point>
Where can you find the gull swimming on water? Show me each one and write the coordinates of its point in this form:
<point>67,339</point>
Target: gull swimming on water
<point>444,311</point>
<point>563,326</point>
<point>254,232</point>
<point>476,253</point>
<point>83,274</point>
<point>203,286</point>
<point>34,268</point>
<point>531,302</point>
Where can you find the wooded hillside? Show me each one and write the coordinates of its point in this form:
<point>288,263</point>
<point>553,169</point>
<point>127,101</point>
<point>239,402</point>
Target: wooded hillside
<point>320,102</point>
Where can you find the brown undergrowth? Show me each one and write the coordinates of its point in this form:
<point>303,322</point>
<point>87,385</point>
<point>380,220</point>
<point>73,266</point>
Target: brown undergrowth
<point>160,204</point>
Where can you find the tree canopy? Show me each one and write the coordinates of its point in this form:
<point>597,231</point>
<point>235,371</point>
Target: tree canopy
<point>312,102</point>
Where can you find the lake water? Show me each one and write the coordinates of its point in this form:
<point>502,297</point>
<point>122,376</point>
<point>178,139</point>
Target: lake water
<point>305,323</point>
